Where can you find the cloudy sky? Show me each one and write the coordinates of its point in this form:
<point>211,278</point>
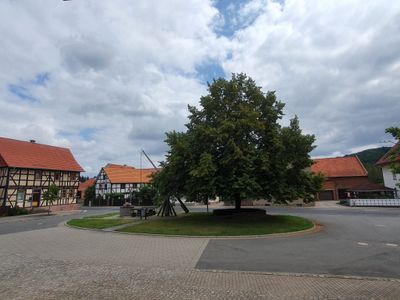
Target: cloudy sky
<point>108,78</point>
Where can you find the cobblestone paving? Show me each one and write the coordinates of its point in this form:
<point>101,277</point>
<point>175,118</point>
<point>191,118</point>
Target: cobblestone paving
<point>63,263</point>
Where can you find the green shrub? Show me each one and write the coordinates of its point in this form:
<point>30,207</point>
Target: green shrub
<point>16,211</point>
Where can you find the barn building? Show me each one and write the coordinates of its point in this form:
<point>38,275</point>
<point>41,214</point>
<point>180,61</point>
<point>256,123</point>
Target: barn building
<point>345,177</point>
<point>27,169</point>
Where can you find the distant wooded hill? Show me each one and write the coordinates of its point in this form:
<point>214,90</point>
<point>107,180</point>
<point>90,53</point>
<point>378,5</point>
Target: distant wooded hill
<point>369,157</point>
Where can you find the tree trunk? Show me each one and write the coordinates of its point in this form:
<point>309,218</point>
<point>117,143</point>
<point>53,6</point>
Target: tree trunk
<point>182,205</point>
<point>238,202</point>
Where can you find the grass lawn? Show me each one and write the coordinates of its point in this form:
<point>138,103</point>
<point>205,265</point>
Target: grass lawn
<point>108,215</point>
<point>204,224</point>
<point>99,222</point>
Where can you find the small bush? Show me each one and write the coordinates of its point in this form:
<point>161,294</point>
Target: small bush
<point>17,211</point>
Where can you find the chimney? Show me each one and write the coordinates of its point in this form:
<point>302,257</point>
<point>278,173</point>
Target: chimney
<point>32,141</point>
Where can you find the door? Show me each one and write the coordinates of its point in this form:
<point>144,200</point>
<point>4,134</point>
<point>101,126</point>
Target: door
<point>326,195</point>
<point>36,197</point>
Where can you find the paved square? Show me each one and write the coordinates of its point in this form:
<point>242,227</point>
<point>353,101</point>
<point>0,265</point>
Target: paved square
<point>65,263</point>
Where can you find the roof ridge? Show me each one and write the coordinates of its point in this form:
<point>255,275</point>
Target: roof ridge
<point>118,166</point>
<point>337,157</point>
<point>32,155</point>
<point>360,162</point>
<point>384,158</point>
<point>34,143</point>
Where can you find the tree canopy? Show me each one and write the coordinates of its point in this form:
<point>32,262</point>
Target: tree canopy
<point>395,152</point>
<point>51,195</point>
<point>235,148</point>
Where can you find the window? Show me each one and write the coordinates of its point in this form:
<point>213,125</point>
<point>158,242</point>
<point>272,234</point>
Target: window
<point>394,176</point>
<point>20,197</point>
<point>122,186</point>
<point>57,176</point>
<point>38,175</point>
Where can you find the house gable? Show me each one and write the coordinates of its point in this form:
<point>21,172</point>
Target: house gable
<point>31,155</point>
<point>349,166</point>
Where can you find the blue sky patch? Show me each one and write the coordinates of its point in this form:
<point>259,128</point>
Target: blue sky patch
<point>210,70</point>
<point>87,133</point>
<point>41,79</point>
<point>232,21</point>
<point>22,89</point>
<point>21,92</point>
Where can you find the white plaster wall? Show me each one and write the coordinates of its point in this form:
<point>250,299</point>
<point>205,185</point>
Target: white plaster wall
<point>388,178</point>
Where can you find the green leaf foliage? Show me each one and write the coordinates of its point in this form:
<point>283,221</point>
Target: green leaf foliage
<point>395,152</point>
<point>90,194</point>
<point>51,194</point>
<point>235,148</point>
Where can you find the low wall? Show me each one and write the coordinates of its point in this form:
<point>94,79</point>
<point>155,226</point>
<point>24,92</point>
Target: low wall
<point>374,202</point>
<point>56,208</point>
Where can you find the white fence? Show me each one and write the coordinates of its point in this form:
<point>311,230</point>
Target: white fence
<point>374,202</point>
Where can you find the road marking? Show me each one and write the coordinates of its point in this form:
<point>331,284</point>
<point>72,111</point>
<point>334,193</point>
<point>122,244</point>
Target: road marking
<point>391,245</point>
<point>380,225</point>
<point>40,223</point>
<point>362,244</point>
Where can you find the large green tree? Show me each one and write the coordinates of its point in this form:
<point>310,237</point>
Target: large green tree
<point>235,148</point>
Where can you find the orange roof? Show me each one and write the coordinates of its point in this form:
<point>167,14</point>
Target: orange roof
<point>84,185</point>
<point>339,167</point>
<point>30,155</point>
<point>387,158</point>
<point>127,174</point>
<point>328,185</point>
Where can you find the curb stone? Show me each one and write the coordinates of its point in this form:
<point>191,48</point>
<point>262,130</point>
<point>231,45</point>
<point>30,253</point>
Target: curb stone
<point>317,227</point>
<point>311,275</point>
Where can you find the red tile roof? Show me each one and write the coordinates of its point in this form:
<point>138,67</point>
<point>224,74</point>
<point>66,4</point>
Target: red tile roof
<point>21,154</point>
<point>84,185</point>
<point>339,167</point>
<point>127,174</point>
<point>387,158</point>
<point>328,185</point>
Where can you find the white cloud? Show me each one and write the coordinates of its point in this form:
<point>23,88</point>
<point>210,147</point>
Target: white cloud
<point>335,64</point>
<point>125,69</point>
<point>121,73</point>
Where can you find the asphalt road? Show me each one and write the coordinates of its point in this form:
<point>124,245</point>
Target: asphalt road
<point>359,242</point>
<point>37,222</point>
<point>354,241</point>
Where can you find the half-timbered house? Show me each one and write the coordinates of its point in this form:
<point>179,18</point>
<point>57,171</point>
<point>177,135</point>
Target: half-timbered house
<point>27,169</point>
<point>121,179</point>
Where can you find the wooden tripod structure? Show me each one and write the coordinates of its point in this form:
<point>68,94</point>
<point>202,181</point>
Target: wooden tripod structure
<point>166,209</point>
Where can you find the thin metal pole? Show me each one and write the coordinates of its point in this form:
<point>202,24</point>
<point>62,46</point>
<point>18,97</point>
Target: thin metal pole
<point>141,180</point>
